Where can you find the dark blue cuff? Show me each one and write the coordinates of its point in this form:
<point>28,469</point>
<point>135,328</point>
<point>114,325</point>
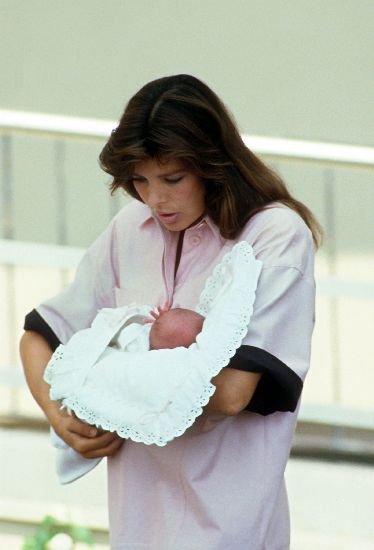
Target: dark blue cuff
<point>279,388</point>
<point>35,322</point>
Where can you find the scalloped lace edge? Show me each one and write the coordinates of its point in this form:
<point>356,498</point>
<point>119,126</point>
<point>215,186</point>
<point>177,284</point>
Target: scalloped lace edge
<point>198,397</point>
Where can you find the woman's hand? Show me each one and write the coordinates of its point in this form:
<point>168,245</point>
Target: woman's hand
<point>83,438</point>
<point>87,440</point>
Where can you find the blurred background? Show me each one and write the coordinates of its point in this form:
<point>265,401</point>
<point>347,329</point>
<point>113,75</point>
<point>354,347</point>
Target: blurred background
<point>298,77</point>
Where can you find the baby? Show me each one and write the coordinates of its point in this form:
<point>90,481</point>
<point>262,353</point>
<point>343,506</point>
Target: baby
<point>154,401</point>
<point>168,329</point>
<point>174,328</point>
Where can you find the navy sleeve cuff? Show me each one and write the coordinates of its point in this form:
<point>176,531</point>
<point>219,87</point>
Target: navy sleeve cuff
<point>279,388</point>
<point>35,322</point>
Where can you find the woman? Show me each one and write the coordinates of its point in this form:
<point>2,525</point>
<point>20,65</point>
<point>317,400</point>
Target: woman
<point>198,191</point>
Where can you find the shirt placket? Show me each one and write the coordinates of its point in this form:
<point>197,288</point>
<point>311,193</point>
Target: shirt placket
<point>168,262</point>
<point>193,245</point>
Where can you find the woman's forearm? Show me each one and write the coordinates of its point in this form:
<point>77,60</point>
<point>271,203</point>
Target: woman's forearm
<point>35,354</point>
<point>85,439</point>
<point>234,390</point>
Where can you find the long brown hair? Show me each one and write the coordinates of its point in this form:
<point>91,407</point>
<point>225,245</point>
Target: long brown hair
<point>181,117</point>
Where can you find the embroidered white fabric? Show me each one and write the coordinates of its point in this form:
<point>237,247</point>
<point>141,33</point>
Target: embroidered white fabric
<point>154,396</point>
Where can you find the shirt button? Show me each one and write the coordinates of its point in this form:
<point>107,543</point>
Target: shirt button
<point>195,240</point>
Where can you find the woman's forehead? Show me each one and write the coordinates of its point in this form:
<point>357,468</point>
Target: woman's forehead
<point>159,166</point>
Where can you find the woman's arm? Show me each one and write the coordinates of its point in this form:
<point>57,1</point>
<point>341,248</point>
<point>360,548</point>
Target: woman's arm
<point>277,344</point>
<point>234,390</point>
<point>85,439</point>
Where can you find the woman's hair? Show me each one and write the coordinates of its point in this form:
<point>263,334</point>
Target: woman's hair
<point>180,117</point>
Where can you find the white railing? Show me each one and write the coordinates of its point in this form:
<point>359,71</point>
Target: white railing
<point>88,128</point>
<point>15,254</point>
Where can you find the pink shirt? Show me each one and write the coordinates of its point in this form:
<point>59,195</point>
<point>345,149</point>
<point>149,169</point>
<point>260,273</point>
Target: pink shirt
<point>219,486</point>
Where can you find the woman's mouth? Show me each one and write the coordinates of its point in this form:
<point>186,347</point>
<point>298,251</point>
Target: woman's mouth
<point>167,218</point>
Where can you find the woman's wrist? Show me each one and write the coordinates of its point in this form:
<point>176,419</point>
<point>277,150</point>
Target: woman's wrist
<point>53,412</point>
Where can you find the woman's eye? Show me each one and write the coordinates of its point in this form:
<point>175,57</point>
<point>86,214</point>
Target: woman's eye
<point>174,179</point>
<point>138,180</point>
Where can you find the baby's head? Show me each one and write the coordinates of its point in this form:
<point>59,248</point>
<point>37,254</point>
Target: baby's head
<point>174,328</point>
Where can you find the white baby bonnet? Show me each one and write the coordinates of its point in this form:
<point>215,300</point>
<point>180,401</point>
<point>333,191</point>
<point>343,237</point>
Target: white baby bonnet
<point>154,396</point>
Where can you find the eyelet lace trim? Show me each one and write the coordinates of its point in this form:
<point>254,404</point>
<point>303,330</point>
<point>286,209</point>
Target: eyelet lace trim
<point>227,304</point>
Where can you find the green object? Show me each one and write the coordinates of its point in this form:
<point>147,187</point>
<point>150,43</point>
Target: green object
<point>49,527</point>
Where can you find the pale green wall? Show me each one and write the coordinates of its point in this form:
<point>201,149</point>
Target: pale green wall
<point>300,68</point>
<point>292,68</point>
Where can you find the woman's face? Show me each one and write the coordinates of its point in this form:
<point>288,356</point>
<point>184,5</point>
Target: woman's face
<point>171,190</point>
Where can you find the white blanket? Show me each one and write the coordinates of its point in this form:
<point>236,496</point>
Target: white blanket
<point>154,396</point>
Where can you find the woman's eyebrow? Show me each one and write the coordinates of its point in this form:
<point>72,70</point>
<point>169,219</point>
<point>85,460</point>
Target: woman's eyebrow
<point>163,175</point>
<point>171,173</point>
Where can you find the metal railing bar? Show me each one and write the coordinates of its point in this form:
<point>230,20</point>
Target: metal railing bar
<point>335,287</point>
<point>337,415</point>
<point>6,189</point>
<point>56,125</point>
<point>20,253</point>
<point>61,191</point>
<point>89,128</point>
<point>314,438</point>
<point>313,412</point>
<point>39,254</point>
<point>12,376</point>
<point>329,202</point>
<point>317,151</point>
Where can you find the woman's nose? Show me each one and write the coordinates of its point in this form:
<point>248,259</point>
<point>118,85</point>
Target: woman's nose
<point>157,194</point>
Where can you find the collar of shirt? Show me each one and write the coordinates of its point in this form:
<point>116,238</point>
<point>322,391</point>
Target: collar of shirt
<point>147,217</point>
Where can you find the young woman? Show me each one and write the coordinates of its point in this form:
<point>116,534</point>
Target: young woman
<point>199,190</point>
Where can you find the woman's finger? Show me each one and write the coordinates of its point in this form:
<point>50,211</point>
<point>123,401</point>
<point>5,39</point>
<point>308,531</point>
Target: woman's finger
<point>108,450</point>
<point>85,445</point>
<point>76,426</point>
<point>69,428</point>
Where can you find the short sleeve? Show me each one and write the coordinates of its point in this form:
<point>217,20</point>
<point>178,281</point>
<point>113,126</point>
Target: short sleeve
<point>278,341</point>
<point>93,288</point>
<point>35,322</point>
